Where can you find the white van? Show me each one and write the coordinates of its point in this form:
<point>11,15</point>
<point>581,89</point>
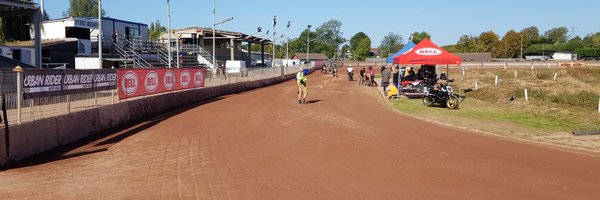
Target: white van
<point>235,66</point>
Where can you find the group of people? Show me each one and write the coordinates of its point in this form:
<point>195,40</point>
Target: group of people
<point>367,77</point>
<point>397,76</point>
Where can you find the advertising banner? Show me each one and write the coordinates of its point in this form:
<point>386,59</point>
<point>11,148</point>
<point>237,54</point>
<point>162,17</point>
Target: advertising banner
<point>44,83</point>
<point>140,82</point>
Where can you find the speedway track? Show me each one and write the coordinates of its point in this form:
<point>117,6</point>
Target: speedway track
<point>345,144</point>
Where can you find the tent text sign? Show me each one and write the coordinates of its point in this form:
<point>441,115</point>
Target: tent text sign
<point>427,53</point>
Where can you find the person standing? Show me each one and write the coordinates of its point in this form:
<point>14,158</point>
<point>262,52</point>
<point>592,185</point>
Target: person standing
<point>363,79</point>
<point>396,75</point>
<point>386,74</point>
<point>302,89</point>
<point>372,77</point>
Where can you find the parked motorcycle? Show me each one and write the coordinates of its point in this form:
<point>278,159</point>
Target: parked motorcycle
<point>443,96</point>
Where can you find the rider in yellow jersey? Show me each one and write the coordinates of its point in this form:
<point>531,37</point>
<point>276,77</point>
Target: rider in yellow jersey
<point>302,90</point>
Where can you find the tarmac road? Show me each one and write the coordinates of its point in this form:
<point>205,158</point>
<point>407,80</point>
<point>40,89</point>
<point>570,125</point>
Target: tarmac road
<point>345,144</point>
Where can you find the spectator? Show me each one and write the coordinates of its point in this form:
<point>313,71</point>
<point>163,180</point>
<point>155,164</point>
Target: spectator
<point>395,75</point>
<point>362,80</point>
<point>372,77</point>
<point>411,75</point>
<point>385,79</point>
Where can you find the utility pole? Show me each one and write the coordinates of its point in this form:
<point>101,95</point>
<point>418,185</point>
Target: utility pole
<point>100,33</point>
<point>214,40</point>
<point>521,47</point>
<point>505,51</point>
<point>308,43</point>
<point>42,9</point>
<point>170,32</point>
<point>287,44</point>
<point>273,42</point>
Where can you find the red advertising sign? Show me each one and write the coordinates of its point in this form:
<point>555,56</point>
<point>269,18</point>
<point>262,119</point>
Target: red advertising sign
<point>140,82</point>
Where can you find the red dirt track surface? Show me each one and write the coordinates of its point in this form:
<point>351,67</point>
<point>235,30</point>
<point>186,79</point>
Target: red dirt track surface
<point>345,144</point>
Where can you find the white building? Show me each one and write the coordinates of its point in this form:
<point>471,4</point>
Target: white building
<point>87,28</point>
<point>83,33</point>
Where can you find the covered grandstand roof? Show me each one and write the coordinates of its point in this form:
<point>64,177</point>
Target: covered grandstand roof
<point>207,32</point>
<point>16,7</point>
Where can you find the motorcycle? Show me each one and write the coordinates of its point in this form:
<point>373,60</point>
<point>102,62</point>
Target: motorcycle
<point>413,86</point>
<point>334,71</point>
<point>444,97</point>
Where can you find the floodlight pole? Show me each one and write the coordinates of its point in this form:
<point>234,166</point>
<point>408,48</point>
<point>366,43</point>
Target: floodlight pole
<point>273,42</point>
<point>170,32</point>
<point>287,44</point>
<point>308,43</point>
<point>214,40</point>
<point>100,33</point>
<point>42,9</point>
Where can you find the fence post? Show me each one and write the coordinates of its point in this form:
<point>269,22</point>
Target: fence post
<point>516,74</point>
<point>69,104</point>
<point>6,128</point>
<point>476,85</point>
<point>526,95</point>
<point>112,96</point>
<point>96,99</point>
<point>532,67</point>
<point>555,75</point>
<point>496,81</point>
<point>505,65</point>
<point>19,71</point>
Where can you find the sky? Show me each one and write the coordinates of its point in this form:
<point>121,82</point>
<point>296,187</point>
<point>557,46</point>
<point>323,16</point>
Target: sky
<point>444,20</point>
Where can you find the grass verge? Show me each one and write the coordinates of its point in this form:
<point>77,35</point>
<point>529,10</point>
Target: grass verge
<point>479,111</point>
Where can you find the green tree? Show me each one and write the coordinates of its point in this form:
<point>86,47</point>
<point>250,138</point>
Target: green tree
<point>530,34</point>
<point>83,8</point>
<point>356,39</point>
<point>489,42</point>
<point>15,28</point>
<point>467,44</point>
<point>330,35</point>
<point>357,46</point>
<point>557,35</point>
<point>391,43</point>
<point>345,49</point>
<point>298,45</point>
<point>511,45</point>
<point>418,37</point>
<point>574,44</point>
<point>592,40</point>
<point>155,30</point>
<point>361,51</point>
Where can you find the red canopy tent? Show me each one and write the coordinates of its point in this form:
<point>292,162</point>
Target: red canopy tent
<point>427,53</point>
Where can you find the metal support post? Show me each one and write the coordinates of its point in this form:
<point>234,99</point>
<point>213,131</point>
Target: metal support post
<point>19,94</point>
<point>68,103</point>
<point>100,34</point>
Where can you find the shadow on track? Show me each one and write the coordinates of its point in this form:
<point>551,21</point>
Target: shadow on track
<point>101,142</point>
<point>313,101</point>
